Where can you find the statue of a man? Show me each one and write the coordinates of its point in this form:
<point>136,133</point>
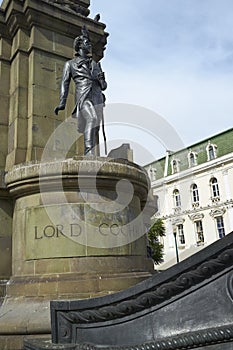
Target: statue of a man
<point>89,83</point>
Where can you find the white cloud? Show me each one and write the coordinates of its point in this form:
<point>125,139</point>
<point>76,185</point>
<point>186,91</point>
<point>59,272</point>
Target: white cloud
<point>175,57</point>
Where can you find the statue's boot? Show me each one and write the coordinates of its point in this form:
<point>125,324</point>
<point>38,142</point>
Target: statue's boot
<point>89,142</point>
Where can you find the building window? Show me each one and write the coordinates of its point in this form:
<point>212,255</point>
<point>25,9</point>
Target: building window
<point>214,189</point>
<point>199,232</point>
<point>152,173</point>
<point>220,226</point>
<point>211,151</point>
<point>177,199</point>
<point>195,195</point>
<point>175,166</point>
<point>180,231</point>
<point>192,159</point>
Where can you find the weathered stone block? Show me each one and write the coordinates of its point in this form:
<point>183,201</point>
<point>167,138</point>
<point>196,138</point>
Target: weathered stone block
<point>4,113</point>
<point>19,71</point>
<point>5,78</point>
<point>5,253</point>
<point>43,70</point>
<point>18,134</point>
<point>22,268</point>
<point>20,42</point>
<point>6,214</point>
<point>82,286</point>
<point>112,283</point>
<point>5,48</point>
<point>52,42</point>
<point>45,266</point>
<point>40,98</point>
<point>3,145</point>
<point>18,104</point>
<point>43,129</point>
<point>17,156</point>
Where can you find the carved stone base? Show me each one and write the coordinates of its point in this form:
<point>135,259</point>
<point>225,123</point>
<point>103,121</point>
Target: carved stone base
<point>77,234</point>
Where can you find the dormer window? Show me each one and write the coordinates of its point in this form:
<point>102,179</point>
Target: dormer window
<point>152,173</point>
<point>192,159</point>
<point>211,150</point>
<point>175,166</point>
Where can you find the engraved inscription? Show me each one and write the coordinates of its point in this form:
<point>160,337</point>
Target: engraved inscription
<point>76,230</point>
<point>56,231</point>
<point>70,230</point>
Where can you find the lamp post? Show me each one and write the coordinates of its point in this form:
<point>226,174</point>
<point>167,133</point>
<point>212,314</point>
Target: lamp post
<point>177,253</point>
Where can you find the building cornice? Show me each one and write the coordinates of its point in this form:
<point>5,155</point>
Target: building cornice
<point>218,207</point>
<point>207,166</point>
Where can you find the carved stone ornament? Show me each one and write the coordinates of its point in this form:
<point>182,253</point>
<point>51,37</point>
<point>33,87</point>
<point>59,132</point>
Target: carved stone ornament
<point>178,221</point>
<point>217,212</point>
<point>196,217</point>
<point>72,5</point>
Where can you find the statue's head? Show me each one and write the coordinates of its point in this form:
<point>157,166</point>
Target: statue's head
<point>83,43</point>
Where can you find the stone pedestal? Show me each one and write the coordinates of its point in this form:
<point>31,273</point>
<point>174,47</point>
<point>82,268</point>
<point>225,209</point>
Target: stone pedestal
<point>78,232</point>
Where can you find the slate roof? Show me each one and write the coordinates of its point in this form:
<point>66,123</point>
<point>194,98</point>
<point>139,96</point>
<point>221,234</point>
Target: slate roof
<point>223,141</point>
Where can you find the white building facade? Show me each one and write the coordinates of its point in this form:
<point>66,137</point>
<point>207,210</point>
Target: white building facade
<point>195,195</point>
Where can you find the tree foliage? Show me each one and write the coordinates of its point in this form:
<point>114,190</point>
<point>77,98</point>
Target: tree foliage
<point>156,248</point>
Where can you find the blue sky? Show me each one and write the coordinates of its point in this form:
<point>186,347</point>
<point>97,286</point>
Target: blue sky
<point>174,57</point>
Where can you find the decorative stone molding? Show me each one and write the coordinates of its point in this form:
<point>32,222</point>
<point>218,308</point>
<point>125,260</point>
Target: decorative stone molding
<point>178,221</point>
<point>215,199</point>
<point>196,217</point>
<point>79,7</point>
<point>217,212</point>
<point>195,205</point>
<point>164,292</point>
<point>177,210</point>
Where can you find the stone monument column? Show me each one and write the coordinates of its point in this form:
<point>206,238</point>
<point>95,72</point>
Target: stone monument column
<point>6,205</point>
<point>76,224</point>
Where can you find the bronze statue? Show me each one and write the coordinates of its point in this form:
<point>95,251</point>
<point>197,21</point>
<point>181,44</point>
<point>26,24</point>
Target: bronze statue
<point>89,84</point>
